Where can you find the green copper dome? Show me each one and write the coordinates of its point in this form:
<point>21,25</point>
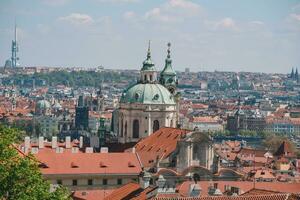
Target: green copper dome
<point>147,94</point>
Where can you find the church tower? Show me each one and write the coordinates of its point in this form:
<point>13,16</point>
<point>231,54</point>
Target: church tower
<point>148,71</point>
<point>168,75</point>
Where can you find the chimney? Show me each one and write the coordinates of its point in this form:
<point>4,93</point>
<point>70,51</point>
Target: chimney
<point>80,142</point>
<point>194,190</point>
<point>27,143</point>
<point>75,149</point>
<point>41,142</point>
<point>68,142</point>
<point>59,150</point>
<point>145,180</point>
<point>54,142</point>
<point>89,150</point>
<point>34,150</point>
<point>161,182</point>
<point>104,150</point>
<point>133,149</point>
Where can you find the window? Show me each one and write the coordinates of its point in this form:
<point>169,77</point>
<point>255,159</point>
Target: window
<point>155,125</point>
<point>59,182</point>
<point>136,128</point>
<point>90,182</point>
<point>104,182</point>
<point>119,181</point>
<point>74,182</point>
<point>150,77</point>
<point>122,128</point>
<point>126,129</point>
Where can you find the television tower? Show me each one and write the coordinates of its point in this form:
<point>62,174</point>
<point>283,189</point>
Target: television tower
<point>14,49</point>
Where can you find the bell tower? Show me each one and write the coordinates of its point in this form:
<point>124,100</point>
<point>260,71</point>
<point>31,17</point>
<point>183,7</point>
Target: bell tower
<point>168,76</point>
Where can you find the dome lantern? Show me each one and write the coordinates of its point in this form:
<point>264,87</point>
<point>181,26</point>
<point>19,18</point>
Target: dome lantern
<point>148,71</point>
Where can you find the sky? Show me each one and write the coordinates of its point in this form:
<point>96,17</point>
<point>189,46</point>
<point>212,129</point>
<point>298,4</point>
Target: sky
<point>206,35</point>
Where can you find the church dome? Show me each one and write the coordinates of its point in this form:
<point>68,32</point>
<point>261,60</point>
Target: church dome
<point>147,94</point>
<point>43,104</point>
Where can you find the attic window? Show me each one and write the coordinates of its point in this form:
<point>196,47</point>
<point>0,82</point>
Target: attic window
<point>262,173</point>
<point>176,137</point>
<point>131,165</point>
<point>169,135</point>
<point>102,165</point>
<point>137,96</point>
<point>42,165</point>
<point>74,165</point>
<point>150,148</point>
<point>158,150</point>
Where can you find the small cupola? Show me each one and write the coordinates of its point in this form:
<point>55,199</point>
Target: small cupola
<point>148,71</point>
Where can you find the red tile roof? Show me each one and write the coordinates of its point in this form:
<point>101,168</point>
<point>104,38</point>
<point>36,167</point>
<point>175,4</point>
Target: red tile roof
<point>252,197</point>
<point>130,191</point>
<point>158,145</point>
<point>91,194</point>
<point>88,163</point>
<point>245,186</point>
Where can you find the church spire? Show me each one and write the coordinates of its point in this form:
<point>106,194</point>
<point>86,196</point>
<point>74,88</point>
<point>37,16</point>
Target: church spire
<point>149,50</point>
<point>148,71</point>
<point>168,75</point>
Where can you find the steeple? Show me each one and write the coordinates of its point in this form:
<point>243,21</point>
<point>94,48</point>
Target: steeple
<point>292,74</point>
<point>148,64</point>
<point>148,71</point>
<point>14,48</point>
<point>168,75</point>
<point>296,75</point>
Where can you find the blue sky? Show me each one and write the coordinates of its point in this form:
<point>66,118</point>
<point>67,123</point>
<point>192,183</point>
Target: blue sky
<point>228,35</point>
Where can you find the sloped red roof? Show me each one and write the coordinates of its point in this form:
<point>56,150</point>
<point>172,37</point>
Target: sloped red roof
<point>250,197</point>
<point>128,191</point>
<point>88,163</point>
<point>245,186</point>
<point>159,145</point>
<point>91,194</point>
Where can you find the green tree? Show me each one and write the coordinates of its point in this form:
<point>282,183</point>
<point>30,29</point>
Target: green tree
<point>20,177</point>
<point>272,142</point>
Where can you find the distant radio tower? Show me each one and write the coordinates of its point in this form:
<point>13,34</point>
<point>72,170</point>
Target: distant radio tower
<point>14,49</point>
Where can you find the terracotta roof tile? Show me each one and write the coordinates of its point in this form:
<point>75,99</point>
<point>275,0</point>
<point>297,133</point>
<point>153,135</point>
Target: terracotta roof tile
<point>158,145</point>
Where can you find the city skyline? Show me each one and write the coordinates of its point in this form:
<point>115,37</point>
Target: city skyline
<point>236,36</point>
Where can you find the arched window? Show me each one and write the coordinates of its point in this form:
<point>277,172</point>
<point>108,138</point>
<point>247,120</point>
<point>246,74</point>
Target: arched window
<point>145,77</point>
<point>135,128</point>
<point>122,129</point>
<point>155,125</point>
<point>150,77</point>
<point>126,129</point>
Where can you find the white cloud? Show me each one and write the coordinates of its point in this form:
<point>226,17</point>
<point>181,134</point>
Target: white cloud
<point>226,23</point>
<point>295,16</point>
<point>188,6</point>
<point>158,15</point>
<point>78,19</point>
<point>259,23</point>
<point>173,11</point>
